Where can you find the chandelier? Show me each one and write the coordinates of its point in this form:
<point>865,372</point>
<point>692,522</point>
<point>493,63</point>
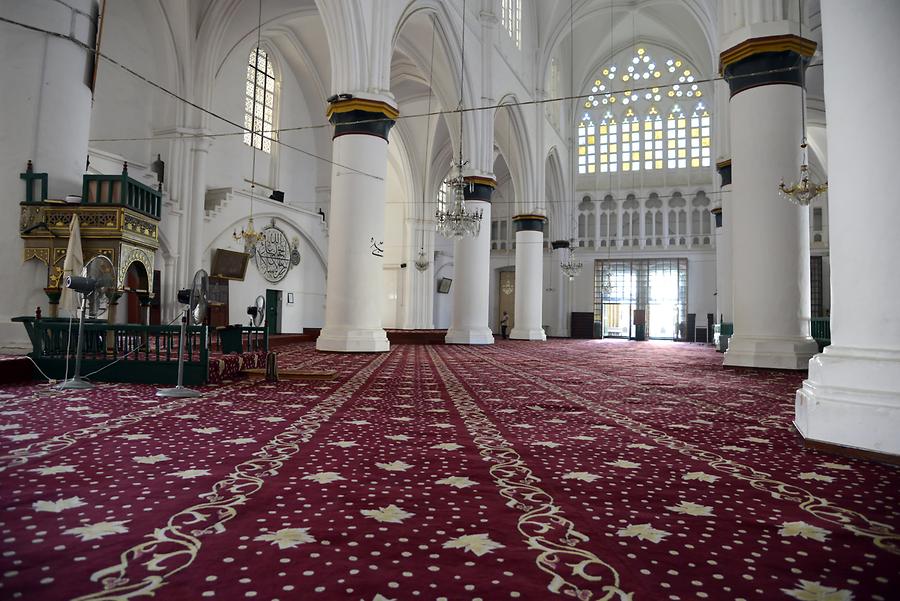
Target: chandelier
<point>508,287</point>
<point>571,265</point>
<point>604,286</point>
<point>458,222</point>
<point>249,235</point>
<point>802,192</point>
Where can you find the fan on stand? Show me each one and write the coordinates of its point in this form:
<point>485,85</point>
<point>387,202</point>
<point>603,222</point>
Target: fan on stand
<point>97,279</point>
<point>257,311</point>
<point>194,301</point>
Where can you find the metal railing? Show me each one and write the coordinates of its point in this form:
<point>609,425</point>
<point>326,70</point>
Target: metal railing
<point>122,353</point>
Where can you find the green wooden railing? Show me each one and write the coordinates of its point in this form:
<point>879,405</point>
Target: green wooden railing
<point>820,330</point>
<point>123,191</point>
<point>126,353</point>
<point>240,339</point>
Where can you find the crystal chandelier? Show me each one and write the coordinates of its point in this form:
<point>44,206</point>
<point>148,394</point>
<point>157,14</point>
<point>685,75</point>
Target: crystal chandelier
<point>605,284</point>
<point>571,265</point>
<point>802,192</point>
<point>459,222</point>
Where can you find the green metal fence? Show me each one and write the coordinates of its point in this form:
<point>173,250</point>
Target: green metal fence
<point>125,353</point>
<point>820,329</point>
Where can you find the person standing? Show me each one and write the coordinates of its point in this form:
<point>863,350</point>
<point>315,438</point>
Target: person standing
<point>504,325</point>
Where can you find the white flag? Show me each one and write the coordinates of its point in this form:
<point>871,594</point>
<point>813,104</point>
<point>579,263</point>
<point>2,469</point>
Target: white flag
<point>69,300</point>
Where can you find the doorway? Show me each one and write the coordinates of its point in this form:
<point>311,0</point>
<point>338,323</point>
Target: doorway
<point>273,311</point>
<point>136,285</point>
<point>656,286</point>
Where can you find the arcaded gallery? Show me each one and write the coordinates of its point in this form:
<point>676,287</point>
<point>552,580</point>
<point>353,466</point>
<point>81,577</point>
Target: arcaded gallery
<point>388,300</point>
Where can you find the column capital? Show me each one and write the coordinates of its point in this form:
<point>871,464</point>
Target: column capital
<point>361,116</point>
<point>777,59</point>
<point>479,187</point>
<point>529,222</point>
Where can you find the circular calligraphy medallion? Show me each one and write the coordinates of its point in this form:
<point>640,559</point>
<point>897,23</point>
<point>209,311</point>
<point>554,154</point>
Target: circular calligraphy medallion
<point>273,254</point>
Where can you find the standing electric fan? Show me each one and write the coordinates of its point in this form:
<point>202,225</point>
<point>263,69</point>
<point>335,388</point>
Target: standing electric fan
<point>97,279</point>
<point>257,311</point>
<point>194,301</point>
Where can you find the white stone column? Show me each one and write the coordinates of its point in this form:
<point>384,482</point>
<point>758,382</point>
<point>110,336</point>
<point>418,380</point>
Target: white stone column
<point>472,264</point>
<point>353,290</point>
<point>529,278</point>
<point>45,116</point>
<point>724,224</point>
<point>852,395</point>
<point>770,236</point>
<point>197,208</point>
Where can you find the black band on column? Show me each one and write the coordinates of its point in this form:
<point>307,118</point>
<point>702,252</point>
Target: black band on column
<point>479,188</point>
<point>724,169</point>
<point>529,223</point>
<point>717,213</point>
<point>362,117</point>
<point>557,244</point>
<point>766,61</point>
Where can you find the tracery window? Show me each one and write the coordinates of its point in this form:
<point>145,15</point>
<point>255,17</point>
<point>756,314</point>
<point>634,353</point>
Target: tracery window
<point>511,19</point>
<point>658,121</point>
<point>259,101</point>
<point>631,142</point>
<point>587,147</point>
<point>609,145</point>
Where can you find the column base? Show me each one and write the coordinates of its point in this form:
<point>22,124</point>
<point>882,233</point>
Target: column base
<point>528,334</point>
<point>469,336</point>
<point>851,399</point>
<point>772,353</point>
<point>342,340</point>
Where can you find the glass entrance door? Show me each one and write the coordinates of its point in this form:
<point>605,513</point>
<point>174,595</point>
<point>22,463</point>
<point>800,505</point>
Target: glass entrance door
<point>657,286</point>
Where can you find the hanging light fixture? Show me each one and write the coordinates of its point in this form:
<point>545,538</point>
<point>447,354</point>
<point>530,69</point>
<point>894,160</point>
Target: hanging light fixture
<point>571,266</point>
<point>458,221</point>
<point>604,285</point>
<point>422,263</point>
<point>805,189</point>
<point>249,234</point>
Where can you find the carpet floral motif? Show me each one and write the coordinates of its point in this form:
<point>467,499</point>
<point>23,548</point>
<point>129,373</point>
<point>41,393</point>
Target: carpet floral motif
<point>567,469</point>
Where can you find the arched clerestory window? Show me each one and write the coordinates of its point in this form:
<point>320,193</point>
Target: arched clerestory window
<point>659,120</point>
<point>259,101</point>
<point>511,19</point>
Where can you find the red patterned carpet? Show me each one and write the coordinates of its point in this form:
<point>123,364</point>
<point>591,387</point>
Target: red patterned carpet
<point>582,469</point>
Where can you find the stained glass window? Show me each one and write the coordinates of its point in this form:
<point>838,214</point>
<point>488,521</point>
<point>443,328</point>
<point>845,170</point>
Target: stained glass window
<point>609,144</point>
<point>631,142</point>
<point>259,101</point>
<point>587,147</point>
<point>655,120</point>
